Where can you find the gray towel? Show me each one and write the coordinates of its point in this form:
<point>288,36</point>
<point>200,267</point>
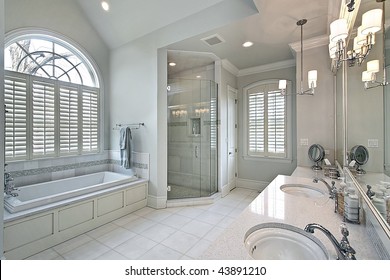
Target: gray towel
<point>125,147</point>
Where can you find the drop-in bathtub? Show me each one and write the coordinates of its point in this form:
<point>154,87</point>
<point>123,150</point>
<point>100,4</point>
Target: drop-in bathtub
<point>41,194</point>
<point>44,215</point>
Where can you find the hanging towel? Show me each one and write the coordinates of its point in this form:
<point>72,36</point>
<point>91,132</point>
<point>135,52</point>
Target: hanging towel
<point>125,147</point>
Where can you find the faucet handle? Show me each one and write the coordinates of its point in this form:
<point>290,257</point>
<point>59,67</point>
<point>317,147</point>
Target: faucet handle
<point>344,243</point>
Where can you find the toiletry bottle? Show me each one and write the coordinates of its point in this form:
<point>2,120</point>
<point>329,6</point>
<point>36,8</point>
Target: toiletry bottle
<point>340,197</point>
<point>380,204</point>
<point>351,206</point>
<point>387,202</point>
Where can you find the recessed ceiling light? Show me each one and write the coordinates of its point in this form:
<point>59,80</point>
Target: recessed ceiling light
<point>198,77</point>
<point>105,6</point>
<point>247,44</point>
<point>172,64</point>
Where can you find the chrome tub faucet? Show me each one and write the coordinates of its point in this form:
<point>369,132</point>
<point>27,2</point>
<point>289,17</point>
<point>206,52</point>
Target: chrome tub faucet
<point>9,185</point>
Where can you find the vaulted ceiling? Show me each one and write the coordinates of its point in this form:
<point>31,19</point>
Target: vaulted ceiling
<point>271,30</point>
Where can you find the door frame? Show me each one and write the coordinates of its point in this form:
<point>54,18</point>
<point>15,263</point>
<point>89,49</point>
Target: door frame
<point>232,92</point>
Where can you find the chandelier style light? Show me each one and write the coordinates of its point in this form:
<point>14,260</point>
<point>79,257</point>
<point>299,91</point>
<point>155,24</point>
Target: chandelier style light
<point>312,74</point>
<point>362,43</point>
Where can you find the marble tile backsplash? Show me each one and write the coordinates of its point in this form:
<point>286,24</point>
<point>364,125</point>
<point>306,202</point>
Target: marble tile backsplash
<point>32,172</point>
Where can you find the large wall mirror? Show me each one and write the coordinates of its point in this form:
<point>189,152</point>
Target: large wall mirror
<point>363,115</point>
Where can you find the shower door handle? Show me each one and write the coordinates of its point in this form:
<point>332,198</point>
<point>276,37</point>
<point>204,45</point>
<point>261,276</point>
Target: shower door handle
<point>196,151</point>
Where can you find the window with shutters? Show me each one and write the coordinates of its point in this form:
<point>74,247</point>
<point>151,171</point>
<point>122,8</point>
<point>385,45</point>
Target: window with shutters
<point>52,100</point>
<point>266,121</point>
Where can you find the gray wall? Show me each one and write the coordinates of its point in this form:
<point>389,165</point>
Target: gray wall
<point>263,170</point>
<point>365,111</point>
<point>316,114</point>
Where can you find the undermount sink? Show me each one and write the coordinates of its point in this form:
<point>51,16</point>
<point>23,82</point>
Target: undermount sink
<point>302,190</point>
<point>278,241</point>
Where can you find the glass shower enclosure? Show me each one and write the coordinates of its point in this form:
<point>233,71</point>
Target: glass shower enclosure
<point>192,138</point>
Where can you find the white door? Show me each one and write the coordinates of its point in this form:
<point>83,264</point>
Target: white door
<point>232,137</point>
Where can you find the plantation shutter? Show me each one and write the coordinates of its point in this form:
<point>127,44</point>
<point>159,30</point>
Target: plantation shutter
<point>68,119</point>
<point>43,118</point>
<point>267,123</point>
<point>276,123</point>
<point>256,123</point>
<point>90,120</point>
<point>15,100</point>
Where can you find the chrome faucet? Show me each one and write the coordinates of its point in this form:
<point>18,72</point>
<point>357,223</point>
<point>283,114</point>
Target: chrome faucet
<point>343,249</point>
<point>9,185</point>
<point>332,189</point>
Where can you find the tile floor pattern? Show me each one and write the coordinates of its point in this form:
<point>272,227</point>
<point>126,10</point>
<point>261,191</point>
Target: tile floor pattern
<point>178,233</point>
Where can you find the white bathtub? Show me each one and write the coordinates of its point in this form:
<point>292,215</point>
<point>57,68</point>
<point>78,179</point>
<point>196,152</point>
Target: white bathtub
<point>49,192</point>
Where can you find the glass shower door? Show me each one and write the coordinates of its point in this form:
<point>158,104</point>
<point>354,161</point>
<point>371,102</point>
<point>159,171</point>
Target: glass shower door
<point>192,145</point>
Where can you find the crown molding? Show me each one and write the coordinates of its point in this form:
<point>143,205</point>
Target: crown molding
<point>310,43</point>
<point>227,65</point>
<point>266,67</point>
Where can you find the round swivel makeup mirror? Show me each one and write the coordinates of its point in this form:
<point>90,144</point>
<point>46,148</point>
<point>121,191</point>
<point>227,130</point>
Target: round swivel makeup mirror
<point>317,155</point>
<point>359,154</point>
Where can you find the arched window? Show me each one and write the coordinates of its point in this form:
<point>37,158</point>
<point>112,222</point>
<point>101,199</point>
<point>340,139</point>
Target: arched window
<point>52,99</point>
<point>267,126</point>
<point>49,57</point>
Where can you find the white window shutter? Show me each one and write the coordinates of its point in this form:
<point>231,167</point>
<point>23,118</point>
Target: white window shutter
<point>256,123</point>
<point>68,119</point>
<point>90,120</point>
<point>43,118</point>
<point>276,123</point>
<point>15,100</point>
<point>267,122</point>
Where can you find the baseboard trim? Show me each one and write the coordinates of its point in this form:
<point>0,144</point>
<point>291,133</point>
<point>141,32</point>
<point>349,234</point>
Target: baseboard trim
<point>251,184</point>
<point>157,202</point>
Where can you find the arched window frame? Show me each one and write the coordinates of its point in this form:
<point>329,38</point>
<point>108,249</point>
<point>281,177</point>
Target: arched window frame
<point>94,125</point>
<point>265,156</point>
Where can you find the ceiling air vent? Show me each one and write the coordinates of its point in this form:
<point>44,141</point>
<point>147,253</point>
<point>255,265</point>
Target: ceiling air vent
<point>213,40</point>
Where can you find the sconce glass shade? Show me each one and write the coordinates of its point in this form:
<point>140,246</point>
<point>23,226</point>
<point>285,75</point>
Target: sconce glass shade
<point>338,30</point>
<point>373,66</point>
<point>356,46</point>
<point>332,49</point>
<point>361,39</point>
<point>367,76</point>
<point>282,84</point>
<point>371,21</point>
<point>312,78</point>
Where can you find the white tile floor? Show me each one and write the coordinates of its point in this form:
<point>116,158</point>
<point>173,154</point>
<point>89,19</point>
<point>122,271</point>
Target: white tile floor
<point>150,234</point>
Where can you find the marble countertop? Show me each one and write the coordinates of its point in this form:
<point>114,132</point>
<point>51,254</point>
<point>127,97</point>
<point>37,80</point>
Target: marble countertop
<point>274,205</point>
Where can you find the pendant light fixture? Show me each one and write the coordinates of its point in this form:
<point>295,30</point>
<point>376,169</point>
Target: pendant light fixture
<point>312,74</point>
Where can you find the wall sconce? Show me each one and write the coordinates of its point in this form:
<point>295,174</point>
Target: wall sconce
<point>369,76</point>
<point>312,74</point>
<point>362,43</point>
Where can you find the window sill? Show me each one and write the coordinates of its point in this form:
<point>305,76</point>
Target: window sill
<point>268,159</point>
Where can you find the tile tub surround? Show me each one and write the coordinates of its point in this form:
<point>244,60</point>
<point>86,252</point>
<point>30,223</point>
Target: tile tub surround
<point>273,205</point>
<point>43,170</point>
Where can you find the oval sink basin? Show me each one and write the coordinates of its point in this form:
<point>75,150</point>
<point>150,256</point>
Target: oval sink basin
<point>302,190</point>
<point>278,241</point>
